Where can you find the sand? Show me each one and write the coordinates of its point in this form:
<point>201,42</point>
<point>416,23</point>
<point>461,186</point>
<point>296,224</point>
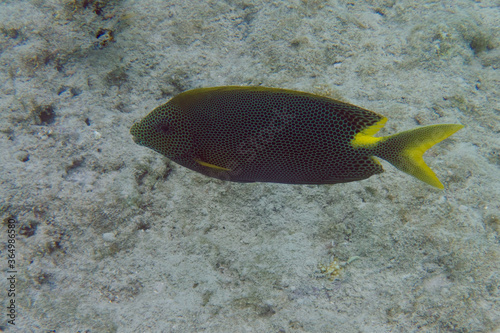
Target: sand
<point>113,237</point>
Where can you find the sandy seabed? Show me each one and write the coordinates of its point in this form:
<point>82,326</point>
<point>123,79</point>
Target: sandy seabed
<point>112,237</point>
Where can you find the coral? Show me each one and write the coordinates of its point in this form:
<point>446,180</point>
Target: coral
<point>332,271</point>
<point>335,268</point>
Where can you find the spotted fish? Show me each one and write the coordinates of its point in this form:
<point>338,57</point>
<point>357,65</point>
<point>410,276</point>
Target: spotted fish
<point>257,134</point>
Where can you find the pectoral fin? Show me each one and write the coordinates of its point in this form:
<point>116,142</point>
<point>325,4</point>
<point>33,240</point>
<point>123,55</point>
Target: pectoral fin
<point>208,165</point>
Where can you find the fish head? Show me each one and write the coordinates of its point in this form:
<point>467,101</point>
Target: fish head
<point>164,130</point>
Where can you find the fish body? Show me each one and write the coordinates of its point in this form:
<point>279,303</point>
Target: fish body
<point>258,134</point>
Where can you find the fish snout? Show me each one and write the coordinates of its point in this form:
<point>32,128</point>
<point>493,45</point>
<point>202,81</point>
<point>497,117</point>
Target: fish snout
<point>134,131</point>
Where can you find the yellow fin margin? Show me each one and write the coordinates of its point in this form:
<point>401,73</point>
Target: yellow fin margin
<point>365,137</point>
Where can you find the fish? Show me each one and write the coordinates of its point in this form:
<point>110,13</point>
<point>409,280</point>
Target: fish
<point>259,134</point>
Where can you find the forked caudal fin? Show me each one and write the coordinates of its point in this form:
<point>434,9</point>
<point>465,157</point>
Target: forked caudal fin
<point>404,150</point>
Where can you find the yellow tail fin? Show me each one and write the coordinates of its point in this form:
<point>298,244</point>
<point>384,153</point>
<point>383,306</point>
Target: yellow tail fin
<point>404,150</point>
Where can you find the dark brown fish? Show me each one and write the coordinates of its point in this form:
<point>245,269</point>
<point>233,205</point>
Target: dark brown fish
<point>257,134</point>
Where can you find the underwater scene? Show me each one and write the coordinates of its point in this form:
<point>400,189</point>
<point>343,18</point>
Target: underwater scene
<point>250,166</point>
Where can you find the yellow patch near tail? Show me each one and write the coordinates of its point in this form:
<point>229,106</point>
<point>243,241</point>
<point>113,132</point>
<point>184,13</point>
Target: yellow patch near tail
<point>404,150</point>
<point>365,138</point>
<point>208,165</point>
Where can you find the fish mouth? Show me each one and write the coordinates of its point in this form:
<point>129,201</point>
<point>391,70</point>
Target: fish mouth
<point>133,131</point>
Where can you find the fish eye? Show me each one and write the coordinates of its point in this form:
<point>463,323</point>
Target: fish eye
<point>165,128</point>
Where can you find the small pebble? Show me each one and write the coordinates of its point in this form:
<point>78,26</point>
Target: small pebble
<point>22,156</point>
<point>108,236</point>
